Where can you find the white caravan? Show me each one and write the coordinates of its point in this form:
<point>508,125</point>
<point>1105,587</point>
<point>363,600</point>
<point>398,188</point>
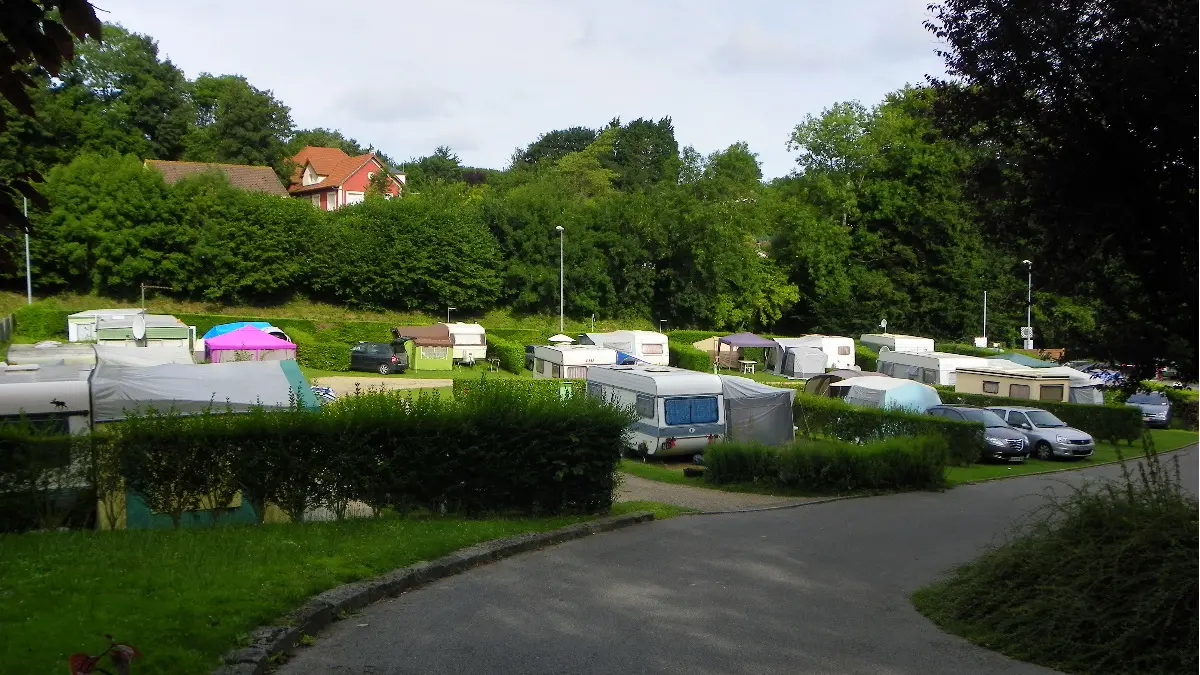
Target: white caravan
<point>469,340</point>
<point>934,368</point>
<point>839,351</point>
<point>569,362</point>
<point>680,412</point>
<point>644,345</point>
<point>52,397</point>
<point>887,342</point>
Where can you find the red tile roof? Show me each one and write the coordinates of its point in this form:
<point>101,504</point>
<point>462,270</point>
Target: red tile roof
<point>243,177</point>
<point>336,174</point>
<point>322,159</point>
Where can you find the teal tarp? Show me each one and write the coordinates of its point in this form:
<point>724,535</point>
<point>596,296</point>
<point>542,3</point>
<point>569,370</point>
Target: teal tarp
<point>1024,360</point>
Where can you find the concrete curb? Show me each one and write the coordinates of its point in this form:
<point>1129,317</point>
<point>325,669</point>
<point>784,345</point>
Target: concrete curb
<point>269,642</point>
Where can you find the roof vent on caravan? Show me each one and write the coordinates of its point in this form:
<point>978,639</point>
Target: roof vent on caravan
<point>657,369</point>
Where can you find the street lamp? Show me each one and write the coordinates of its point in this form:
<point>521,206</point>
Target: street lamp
<point>448,313</point>
<point>660,324</point>
<point>1027,331</point>
<point>561,303</point>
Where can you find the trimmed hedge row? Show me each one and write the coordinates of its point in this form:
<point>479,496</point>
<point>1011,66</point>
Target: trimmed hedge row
<point>865,358</point>
<point>690,337</point>
<point>550,387</point>
<point>510,354</point>
<point>833,418</point>
<point>1103,422</point>
<point>40,323</point>
<point>687,356</point>
<point>832,466</point>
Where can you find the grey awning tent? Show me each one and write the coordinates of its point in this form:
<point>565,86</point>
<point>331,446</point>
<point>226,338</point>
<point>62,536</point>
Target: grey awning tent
<point>744,340</point>
<point>756,412</point>
<point>819,385</point>
<point>802,362</point>
<point>193,388</point>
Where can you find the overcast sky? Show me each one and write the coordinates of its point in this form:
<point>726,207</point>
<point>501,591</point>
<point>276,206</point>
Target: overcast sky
<point>487,76</point>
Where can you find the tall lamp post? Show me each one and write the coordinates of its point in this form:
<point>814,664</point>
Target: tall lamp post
<point>1027,331</point>
<point>561,302</point>
<point>28,272</point>
<point>448,313</point>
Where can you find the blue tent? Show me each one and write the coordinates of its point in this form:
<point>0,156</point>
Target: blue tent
<point>624,359</point>
<point>230,327</point>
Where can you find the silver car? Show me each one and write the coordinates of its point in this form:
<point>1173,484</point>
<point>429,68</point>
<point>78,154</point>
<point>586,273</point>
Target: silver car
<point>1049,436</point>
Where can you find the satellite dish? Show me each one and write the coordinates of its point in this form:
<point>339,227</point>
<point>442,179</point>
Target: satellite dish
<point>139,326</point>
<point>883,324</point>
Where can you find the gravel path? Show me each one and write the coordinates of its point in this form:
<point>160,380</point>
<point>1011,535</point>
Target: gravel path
<point>635,489</point>
<point>345,385</point>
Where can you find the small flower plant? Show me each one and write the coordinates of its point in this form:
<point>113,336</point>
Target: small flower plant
<point>119,655</point>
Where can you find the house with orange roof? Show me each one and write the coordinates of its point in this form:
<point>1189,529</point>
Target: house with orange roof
<point>243,177</point>
<point>331,179</point>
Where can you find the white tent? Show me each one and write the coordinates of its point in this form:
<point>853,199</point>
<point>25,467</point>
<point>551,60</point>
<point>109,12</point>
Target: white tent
<point>803,361</point>
<point>757,412</point>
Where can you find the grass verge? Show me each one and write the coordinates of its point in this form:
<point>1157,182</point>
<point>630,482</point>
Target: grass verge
<point>661,511</point>
<point>673,473</point>
<point>185,597</point>
<point>1106,453</point>
<point>1101,580</point>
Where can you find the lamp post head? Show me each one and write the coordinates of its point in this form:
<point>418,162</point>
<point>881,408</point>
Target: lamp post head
<point>558,228</point>
<point>1027,263</point>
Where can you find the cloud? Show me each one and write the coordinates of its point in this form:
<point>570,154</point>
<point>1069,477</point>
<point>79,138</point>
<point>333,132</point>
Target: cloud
<point>751,49</point>
<point>383,102</point>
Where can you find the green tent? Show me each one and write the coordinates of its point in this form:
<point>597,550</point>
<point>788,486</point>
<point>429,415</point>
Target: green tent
<point>1024,360</point>
<point>428,347</point>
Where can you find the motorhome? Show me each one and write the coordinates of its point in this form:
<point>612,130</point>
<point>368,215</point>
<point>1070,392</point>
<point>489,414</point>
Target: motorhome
<point>839,351</point>
<point>680,412</point>
<point>887,342</point>
<point>469,341</point>
<point>934,368</point>
<point>1038,384</point>
<point>643,345</point>
<point>56,398</point>
<point>569,362</point>
<point>81,326</point>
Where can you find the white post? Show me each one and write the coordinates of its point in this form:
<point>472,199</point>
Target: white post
<point>28,272</point>
<point>1029,305</point>
<point>561,299</point>
<point>985,314</point>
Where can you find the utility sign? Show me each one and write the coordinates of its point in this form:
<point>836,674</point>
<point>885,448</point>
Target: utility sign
<point>1026,332</point>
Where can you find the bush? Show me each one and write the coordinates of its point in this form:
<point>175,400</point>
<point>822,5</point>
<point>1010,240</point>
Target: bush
<point>690,337</point>
<point>833,418</point>
<point>832,466</point>
<point>865,358</point>
<point>40,323</point>
<point>1102,580</point>
<point>687,356</point>
<point>1103,422</point>
<point>511,354</point>
<point>321,355</point>
<point>43,479</point>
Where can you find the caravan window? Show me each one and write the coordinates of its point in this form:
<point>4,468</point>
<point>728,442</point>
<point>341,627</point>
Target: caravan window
<point>843,351</point>
<point>555,370</point>
<point>645,406</point>
<point>1018,391</point>
<point>595,390</point>
<point>467,338</point>
<point>1051,392</point>
<point>700,410</point>
<point>576,372</point>
<point>929,376</point>
<point>652,349</point>
<point>990,387</point>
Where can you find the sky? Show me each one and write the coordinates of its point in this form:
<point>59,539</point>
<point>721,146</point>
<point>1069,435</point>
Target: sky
<point>488,76</point>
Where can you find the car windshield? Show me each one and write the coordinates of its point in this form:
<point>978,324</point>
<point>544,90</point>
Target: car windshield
<point>1153,399</point>
<point>986,417</point>
<point>1041,418</point>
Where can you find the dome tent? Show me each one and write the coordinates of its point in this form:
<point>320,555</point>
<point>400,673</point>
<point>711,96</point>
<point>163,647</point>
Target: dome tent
<point>872,391</point>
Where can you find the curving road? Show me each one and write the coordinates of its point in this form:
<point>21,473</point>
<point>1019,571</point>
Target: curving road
<point>817,589</point>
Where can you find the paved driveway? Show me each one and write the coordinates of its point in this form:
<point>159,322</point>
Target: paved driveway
<point>816,589</point>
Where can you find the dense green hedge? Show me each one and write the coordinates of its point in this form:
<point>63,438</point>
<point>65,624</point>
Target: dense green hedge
<point>548,386</point>
<point>690,337</point>
<point>865,358</point>
<point>40,323</point>
<point>1103,422</point>
<point>510,354</point>
<point>817,416</point>
<point>832,466</point>
<point>966,350</point>
<point>687,356</point>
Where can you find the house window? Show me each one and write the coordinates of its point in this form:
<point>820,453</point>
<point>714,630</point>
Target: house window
<point>843,351</point>
<point>333,202</point>
<point>316,199</point>
<point>1018,391</point>
<point>645,406</point>
<point>991,387</point>
<point>652,349</point>
<point>354,197</point>
<point>1050,392</point>
<point>370,175</point>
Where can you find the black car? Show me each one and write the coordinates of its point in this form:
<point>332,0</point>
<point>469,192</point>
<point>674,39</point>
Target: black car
<point>380,357</point>
<point>1004,443</point>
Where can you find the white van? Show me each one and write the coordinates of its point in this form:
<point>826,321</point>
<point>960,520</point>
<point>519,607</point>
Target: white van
<point>56,398</point>
<point>887,342</point>
<point>469,340</point>
<point>839,351</point>
<point>569,362</point>
<point>934,368</point>
<point>680,411</point>
<point>644,345</point>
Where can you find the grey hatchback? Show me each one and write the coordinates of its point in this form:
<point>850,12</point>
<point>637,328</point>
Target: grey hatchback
<point>1049,436</point>
<point>1004,443</point>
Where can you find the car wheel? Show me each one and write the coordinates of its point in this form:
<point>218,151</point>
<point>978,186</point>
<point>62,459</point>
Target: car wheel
<point>385,368</point>
<point>1043,451</point>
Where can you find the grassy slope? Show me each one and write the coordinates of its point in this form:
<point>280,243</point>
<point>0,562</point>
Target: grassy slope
<point>185,597</point>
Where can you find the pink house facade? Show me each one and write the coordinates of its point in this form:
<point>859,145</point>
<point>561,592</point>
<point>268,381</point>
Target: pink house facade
<point>331,179</point>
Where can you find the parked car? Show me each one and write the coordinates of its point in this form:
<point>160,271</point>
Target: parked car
<point>380,357</point>
<point>1155,407</point>
<point>1004,443</point>
<point>1049,436</point>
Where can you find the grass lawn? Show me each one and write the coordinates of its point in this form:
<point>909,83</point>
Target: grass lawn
<point>660,511</point>
<point>185,597</point>
<point>1164,440</point>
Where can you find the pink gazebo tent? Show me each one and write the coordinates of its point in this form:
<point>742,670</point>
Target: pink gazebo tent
<point>248,344</point>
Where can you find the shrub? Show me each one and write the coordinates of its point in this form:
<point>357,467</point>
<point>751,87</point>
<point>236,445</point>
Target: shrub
<point>833,418</point>
<point>43,479</point>
<point>865,358</point>
<point>313,353</point>
<point>548,386</point>
<point>1110,423</point>
<point>832,466</point>
<point>687,356</point>
<point>510,354</point>
<point>1101,580</point>
<point>690,337</point>
<point>38,323</point>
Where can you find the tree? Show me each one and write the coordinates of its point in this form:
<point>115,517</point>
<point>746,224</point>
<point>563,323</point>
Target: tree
<point>323,138</point>
<point>36,38</point>
<point>1089,109</point>
<point>443,166</point>
<point>645,153</point>
<point>553,146</point>
<point>237,123</point>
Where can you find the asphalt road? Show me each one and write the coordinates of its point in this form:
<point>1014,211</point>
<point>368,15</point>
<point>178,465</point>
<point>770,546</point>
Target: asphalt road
<point>817,589</point>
